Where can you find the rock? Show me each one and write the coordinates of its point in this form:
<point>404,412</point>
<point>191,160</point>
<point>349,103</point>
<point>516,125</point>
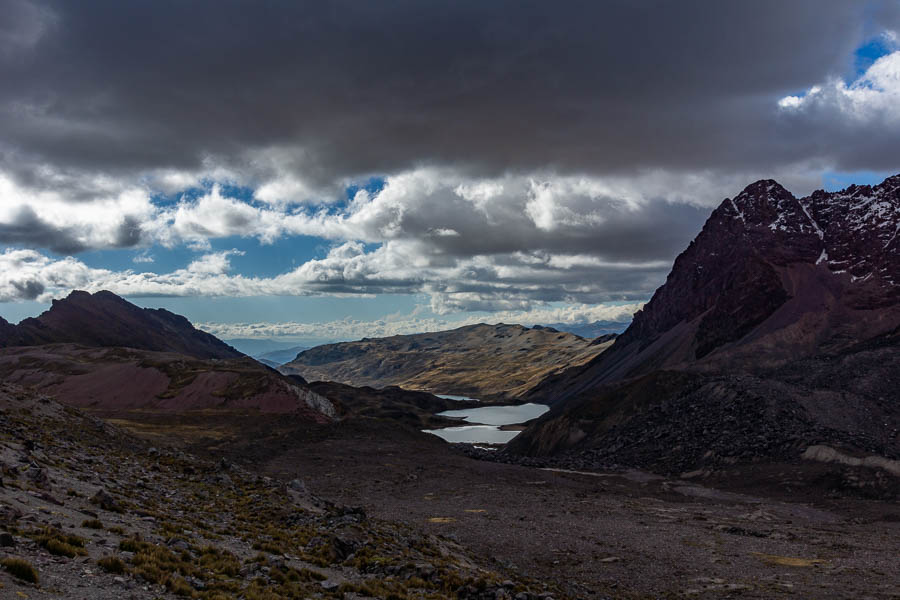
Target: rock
<point>48,498</point>
<point>298,486</point>
<point>105,501</point>
<point>9,515</point>
<point>37,475</point>
<point>329,584</point>
<point>180,545</point>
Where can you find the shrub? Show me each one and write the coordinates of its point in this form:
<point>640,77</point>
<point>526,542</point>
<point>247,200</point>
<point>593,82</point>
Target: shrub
<point>60,548</point>
<point>92,524</point>
<point>111,564</point>
<point>59,543</point>
<point>21,569</point>
<point>179,587</point>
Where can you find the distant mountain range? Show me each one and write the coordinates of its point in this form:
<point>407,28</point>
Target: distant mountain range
<point>479,361</point>
<point>272,350</point>
<point>777,329</point>
<point>591,330</point>
<point>279,357</point>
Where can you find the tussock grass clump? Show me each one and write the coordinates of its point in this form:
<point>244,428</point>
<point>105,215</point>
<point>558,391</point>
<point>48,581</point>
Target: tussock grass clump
<point>219,561</point>
<point>179,587</point>
<point>92,524</point>
<point>20,569</point>
<point>58,543</point>
<point>156,563</point>
<point>112,564</point>
<point>59,548</point>
<point>375,589</point>
<point>269,547</point>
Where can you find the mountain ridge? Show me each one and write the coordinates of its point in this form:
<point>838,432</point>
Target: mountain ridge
<point>768,290</point>
<point>103,319</point>
<point>481,361</point>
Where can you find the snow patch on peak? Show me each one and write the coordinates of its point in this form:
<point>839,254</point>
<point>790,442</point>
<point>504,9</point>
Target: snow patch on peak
<point>738,212</point>
<point>815,225</point>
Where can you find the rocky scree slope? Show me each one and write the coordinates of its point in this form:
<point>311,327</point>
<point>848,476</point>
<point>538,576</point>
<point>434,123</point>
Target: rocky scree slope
<point>104,319</point>
<point>776,328</point>
<point>480,361</point>
<point>88,511</point>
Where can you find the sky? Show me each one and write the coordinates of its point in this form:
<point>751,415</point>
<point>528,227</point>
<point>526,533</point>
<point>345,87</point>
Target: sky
<point>333,170</point>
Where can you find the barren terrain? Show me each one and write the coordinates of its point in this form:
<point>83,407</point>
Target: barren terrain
<point>785,530</point>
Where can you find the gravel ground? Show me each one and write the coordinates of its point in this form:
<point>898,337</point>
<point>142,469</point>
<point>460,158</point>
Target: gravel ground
<point>629,534</point>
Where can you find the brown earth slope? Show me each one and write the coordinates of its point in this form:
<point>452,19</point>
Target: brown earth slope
<point>124,379</point>
<point>479,361</point>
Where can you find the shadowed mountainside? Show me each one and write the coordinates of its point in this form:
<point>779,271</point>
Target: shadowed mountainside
<point>776,329</point>
<point>480,361</point>
<point>103,319</point>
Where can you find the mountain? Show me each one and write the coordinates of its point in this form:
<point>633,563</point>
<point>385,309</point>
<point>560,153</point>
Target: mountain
<point>261,347</point>
<point>103,319</point>
<point>591,330</point>
<point>279,357</point>
<point>777,328</point>
<point>101,352</point>
<point>479,361</point>
<point>129,379</point>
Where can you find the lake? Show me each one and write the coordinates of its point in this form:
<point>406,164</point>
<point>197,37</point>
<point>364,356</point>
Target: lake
<point>457,398</point>
<point>492,417</point>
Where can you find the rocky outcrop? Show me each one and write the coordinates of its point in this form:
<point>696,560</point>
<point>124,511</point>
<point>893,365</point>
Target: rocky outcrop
<point>103,319</point>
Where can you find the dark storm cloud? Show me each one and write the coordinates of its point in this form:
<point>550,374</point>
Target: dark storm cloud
<point>27,229</point>
<point>353,87</point>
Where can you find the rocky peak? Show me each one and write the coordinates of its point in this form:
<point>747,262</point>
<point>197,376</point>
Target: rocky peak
<point>831,254</point>
<point>103,319</point>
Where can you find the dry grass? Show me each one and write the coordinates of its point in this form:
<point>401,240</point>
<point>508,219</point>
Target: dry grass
<point>112,564</point>
<point>20,569</point>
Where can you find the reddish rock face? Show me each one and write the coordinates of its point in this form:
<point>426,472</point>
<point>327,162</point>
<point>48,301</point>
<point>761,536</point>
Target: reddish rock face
<point>731,274</point>
<point>777,328</point>
<point>123,379</point>
<point>770,278</point>
<point>106,320</point>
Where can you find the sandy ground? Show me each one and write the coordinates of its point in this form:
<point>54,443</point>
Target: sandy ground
<point>615,535</point>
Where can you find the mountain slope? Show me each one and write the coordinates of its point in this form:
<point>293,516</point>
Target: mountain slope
<point>770,278</point>
<point>776,305</point>
<point>103,319</point>
<point>124,379</point>
<point>481,361</point>
<point>145,520</point>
